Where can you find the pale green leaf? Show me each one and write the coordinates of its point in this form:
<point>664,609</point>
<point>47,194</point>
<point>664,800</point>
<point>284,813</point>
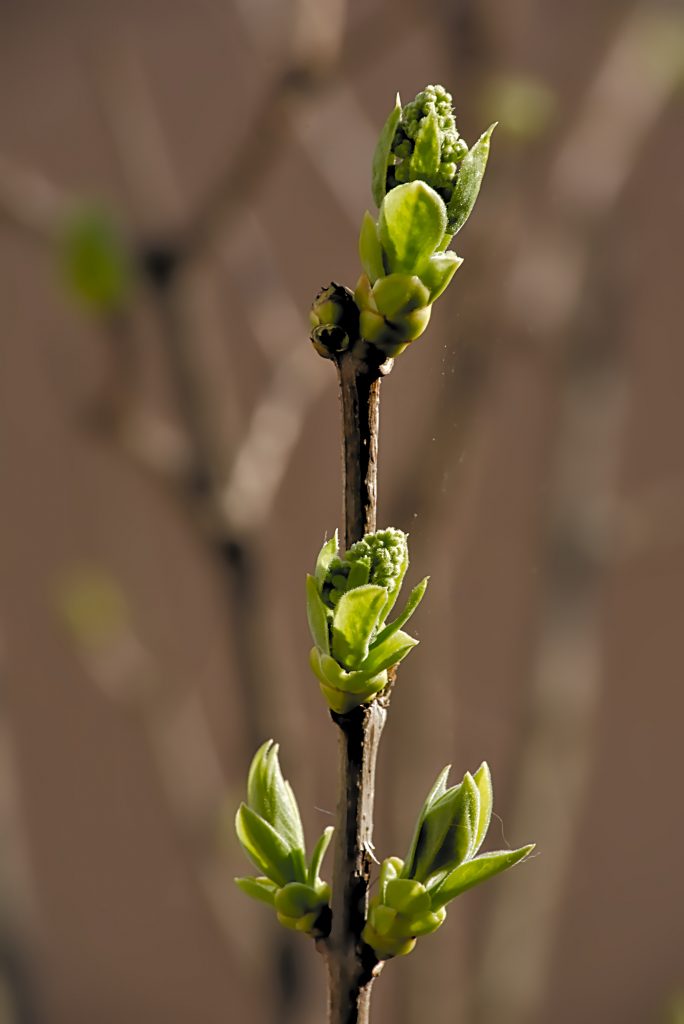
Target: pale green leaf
<point>412,222</point>
<point>354,621</point>
<point>438,271</point>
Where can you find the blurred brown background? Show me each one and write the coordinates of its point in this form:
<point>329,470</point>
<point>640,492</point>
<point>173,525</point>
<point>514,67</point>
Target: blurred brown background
<point>169,469</point>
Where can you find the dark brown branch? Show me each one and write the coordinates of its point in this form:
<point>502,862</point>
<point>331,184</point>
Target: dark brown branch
<point>352,965</point>
<point>360,399</point>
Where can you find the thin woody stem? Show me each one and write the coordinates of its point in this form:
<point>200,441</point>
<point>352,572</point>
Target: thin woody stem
<point>352,965</point>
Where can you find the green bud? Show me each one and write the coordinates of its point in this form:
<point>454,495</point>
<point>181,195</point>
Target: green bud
<point>334,319</point>
<point>270,831</point>
<point>451,827</point>
<point>348,601</point>
<point>411,897</point>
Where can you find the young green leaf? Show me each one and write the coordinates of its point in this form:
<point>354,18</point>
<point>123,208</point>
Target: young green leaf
<point>413,220</point>
<point>475,871</point>
<point>370,250</point>
<point>318,854</point>
<point>393,650</point>
<point>381,156</point>
<point>325,557</point>
<point>468,182</point>
<point>354,621</point>
<point>438,271</point>
<point>263,845</point>
<point>415,597</point>
<point>262,889</point>
<point>317,616</point>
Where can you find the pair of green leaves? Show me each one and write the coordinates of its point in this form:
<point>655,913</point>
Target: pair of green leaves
<point>354,646</point>
<point>270,831</point>
<point>441,863</point>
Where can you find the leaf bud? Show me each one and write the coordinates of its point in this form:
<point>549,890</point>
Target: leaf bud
<point>334,320</point>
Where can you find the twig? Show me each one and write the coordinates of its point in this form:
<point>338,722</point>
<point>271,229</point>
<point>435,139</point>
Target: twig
<point>352,965</point>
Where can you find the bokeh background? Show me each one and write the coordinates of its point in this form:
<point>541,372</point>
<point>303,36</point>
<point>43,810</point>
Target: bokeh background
<point>177,179</point>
